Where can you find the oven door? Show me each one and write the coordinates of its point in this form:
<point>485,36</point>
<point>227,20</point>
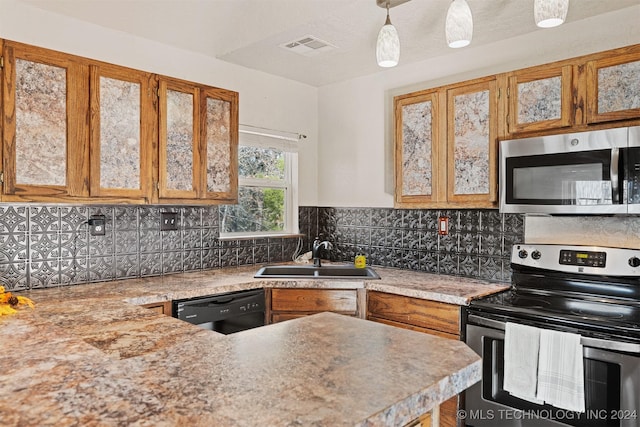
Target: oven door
<point>563,174</point>
<point>611,390</point>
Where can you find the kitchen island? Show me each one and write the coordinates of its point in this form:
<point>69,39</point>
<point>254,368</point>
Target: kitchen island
<point>86,357</point>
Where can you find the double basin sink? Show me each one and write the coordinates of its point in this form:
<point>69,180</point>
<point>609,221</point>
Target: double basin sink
<point>315,272</point>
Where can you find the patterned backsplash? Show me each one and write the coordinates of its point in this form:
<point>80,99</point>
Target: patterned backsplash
<point>46,246</point>
<point>478,244</point>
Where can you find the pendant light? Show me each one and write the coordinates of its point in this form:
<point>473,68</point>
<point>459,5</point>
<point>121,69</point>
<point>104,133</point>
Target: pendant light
<point>459,24</point>
<point>550,13</point>
<point>388,44</point>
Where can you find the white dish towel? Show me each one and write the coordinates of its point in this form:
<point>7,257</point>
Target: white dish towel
<point>521,345</point>
<point>560,370</point>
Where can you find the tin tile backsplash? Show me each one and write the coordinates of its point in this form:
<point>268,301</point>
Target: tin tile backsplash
<point>478,243</point>
<point>47,246</point>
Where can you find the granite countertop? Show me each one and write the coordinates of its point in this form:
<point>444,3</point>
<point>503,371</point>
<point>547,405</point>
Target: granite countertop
<point>88,356</point>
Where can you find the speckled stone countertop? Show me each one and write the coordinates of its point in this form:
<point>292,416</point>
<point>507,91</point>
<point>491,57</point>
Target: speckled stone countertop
<point>87,355</point>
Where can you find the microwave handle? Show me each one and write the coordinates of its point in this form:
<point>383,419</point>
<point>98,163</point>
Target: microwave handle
<point>614,175</point>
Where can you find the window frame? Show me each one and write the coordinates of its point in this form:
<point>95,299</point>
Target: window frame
<point>277,140</point>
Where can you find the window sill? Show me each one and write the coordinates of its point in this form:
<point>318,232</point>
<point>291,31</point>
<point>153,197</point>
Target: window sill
<point>228,237</point>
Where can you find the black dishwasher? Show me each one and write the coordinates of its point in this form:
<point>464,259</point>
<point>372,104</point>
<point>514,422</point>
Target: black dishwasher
<point>225,313</point>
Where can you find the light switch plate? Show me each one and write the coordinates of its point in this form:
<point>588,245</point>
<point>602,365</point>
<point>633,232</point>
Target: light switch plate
<point>168,221</point>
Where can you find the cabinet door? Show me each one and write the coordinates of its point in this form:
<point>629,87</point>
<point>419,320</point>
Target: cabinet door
<point>180,145</point>
<point>219,128</point>
<point>540,99</point>
<point>613,92</point>
<point>123,131</point>
<point>45,131</point>
<point>472,145</point>
<point>417,145</point>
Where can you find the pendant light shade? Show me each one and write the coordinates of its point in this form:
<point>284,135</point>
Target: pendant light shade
<point>388,44</point>
<point>550,13</point>
<point>459,24</point>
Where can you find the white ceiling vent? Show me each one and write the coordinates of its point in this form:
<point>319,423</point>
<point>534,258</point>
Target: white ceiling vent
<point>308,46</point>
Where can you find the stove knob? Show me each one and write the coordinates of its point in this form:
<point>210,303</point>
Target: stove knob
<point>536,255</point>
<point>634,261</point>
<point>522,254</point>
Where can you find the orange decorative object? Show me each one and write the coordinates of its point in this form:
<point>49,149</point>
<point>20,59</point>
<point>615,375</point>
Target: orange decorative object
<point>9,303</point>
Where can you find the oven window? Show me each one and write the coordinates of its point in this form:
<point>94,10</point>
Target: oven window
<point>601,382</point>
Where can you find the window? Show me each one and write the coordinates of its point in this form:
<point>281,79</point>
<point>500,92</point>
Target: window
<point>267,186</point>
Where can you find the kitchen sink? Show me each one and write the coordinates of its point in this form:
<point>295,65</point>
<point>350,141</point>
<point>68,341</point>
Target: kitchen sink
<point>314,272</point>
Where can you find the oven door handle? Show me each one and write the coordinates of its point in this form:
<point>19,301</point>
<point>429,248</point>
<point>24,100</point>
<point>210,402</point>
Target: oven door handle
<point>585,341</point>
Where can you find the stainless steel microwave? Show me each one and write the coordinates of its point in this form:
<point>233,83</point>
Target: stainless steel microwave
<point>594,172</point>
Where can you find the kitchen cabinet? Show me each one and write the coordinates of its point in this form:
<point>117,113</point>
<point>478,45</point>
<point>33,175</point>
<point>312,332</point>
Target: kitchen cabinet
<point>540,98</point>
<point>432,317</point>
<point>45,104</point>
<point>292,303</point>
<point>445,146</point>
<point>79,130</point>
<point>613,92</point>
<point>123,133</point>
<point>159,307</point>
<point>198,143</point>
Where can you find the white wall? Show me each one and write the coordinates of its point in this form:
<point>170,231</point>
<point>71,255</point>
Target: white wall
<point>265,100</point>
<point>355,148</point>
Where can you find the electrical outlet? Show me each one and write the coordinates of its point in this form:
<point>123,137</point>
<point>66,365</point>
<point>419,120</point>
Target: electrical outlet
<point>443,225</point>
<point>97,224</point>
<point>168,221</point>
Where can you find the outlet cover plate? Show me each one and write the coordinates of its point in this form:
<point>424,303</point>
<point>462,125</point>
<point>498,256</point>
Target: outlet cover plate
<point>97,225</point>
<point>168,221</point>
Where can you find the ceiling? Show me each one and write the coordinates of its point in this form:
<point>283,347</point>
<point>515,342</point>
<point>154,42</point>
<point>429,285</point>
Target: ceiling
<point>250,32</point>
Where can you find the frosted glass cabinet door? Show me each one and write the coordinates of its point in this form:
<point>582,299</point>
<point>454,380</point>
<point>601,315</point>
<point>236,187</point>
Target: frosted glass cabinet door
<point>43,152</point>
<point>613,91</point>
<point>123,129</point>
<point>417,143</point>
<point>219,109</point>
<point>540,99</point>
<point>471,143</point>
<point>180,145</point>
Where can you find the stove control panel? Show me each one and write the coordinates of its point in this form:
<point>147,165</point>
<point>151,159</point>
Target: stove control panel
<point>597,260</point>
<point>583,258</point>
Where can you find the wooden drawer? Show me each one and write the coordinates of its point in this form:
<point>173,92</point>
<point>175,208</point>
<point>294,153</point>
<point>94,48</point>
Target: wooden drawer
<point>415,328</point>
<point>432,315</point>
<point>159,307</point>
<point>314,300</point>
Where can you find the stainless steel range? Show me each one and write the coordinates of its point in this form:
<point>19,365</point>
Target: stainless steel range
<point>590,291</point>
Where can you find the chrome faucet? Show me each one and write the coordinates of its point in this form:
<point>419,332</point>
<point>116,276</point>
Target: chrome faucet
<point>317,244</point>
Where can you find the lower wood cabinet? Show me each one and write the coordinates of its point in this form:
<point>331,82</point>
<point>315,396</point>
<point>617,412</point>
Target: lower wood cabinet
<point>431,317</point>
<point>159,307</point>
<point>290,303</point>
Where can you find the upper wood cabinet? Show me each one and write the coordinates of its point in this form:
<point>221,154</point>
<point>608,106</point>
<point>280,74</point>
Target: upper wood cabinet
<point>123,131</point>
<point>198,142</point>
<point>446,146</point>
<point>540,99</point>
<point>79,130</point>
<point>417,148</point>
<point>219,123</point>
<point>180,143</point>
<point>471,142</point>
<point>613,91</point>
<point>44,120</point>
